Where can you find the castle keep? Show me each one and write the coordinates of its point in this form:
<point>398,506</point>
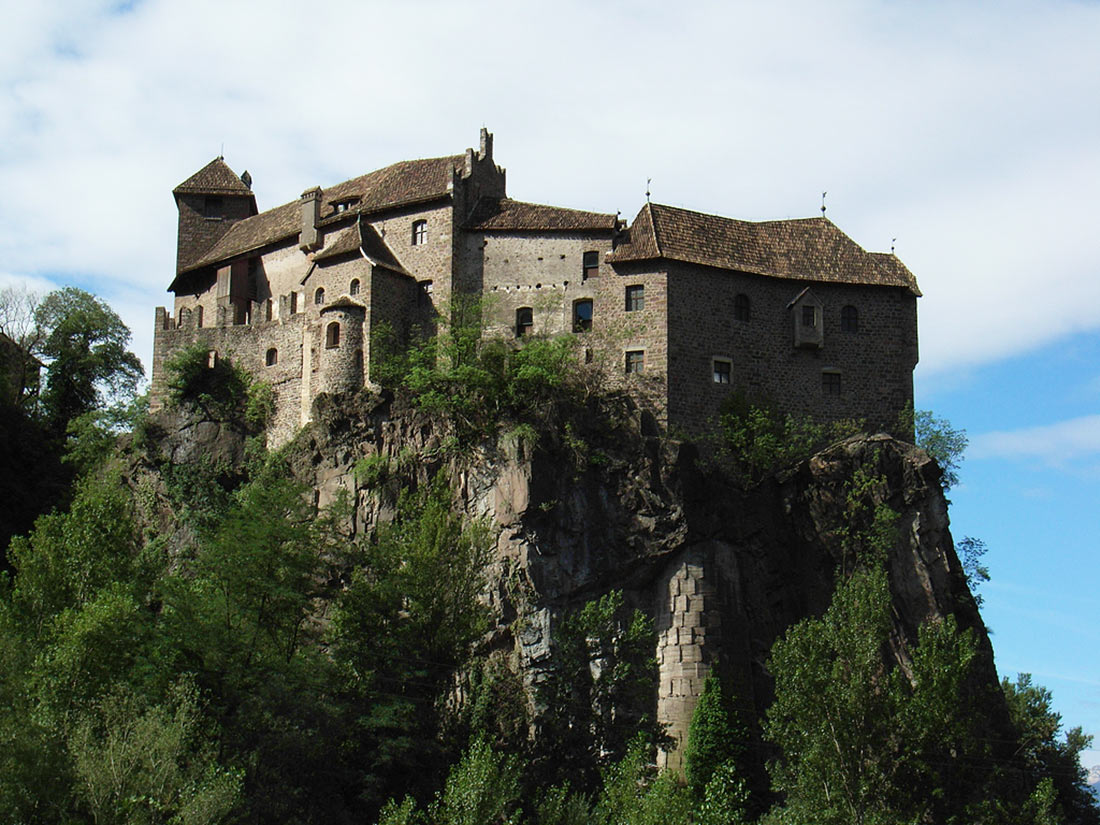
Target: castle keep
<point>679,306</point>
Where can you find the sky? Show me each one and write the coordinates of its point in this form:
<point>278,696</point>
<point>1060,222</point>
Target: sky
<point>964,135</point>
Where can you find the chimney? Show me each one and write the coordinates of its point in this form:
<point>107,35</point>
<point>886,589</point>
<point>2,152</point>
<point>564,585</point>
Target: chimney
<point>486,152</point>
<point>469,170</point>
<point>311,213</point>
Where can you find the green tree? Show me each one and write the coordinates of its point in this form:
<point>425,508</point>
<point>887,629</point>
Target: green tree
<point>84,345</point>
<point>862,742</point>
<point>938,438</point>
<point>714,759</point>
<point>1047,756</point>
<point>598,694</point>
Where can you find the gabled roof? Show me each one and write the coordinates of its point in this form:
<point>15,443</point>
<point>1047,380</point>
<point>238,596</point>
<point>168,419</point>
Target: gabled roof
<point>216,178</point>
<point>364,237</point>
<point>809,249</point>
<point>506,214</point>
<point>401,184</point>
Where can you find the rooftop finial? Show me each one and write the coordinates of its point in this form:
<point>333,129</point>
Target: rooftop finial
<point>647,182</point>
<point>823,194</point>
<point>892,245</point>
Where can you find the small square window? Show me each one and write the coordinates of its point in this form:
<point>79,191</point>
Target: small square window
<point>635,298</point>
<point>635,361</point>
<point>809,316</point>
<point>830,383</point>
<point>419,233</point>
<point>723,371</point>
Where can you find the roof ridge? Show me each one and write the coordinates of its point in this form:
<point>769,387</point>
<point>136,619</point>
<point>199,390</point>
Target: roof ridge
<point>653,227</point>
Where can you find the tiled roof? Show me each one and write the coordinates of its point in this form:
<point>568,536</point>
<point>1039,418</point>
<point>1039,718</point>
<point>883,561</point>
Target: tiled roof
<point>216,178</point>
<point>809,249</point>
<point>507,214</point>
<point>407,182</point>
<point>361,236</point>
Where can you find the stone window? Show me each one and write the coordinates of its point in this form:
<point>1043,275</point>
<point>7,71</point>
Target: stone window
<point>419,233</point>
<point>525,319</point>
<point>635,361</point>
<point>272,357</point>
<point>722,370</point>
<point>830,382</point>
<point>354,288</point>
<point>849,319</point>
<point>319,296</point>
<point>332,335</point>
<point>809,315</point>
<point>635,298</point>
<point>212,208</point>
<point>742,308</point>
<point>591,265</point>
<point>198,316</point>
<point>582,315</point>
<point>212,359</point>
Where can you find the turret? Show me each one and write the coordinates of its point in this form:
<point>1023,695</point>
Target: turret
<point>209,203</point>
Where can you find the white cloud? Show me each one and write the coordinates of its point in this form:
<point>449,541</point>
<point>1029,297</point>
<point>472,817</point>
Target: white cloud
<point>961,129</point>
<point>1056,444</point>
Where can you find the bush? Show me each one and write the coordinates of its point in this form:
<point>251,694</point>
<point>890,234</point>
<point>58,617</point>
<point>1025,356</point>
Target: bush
<point>218,389</point>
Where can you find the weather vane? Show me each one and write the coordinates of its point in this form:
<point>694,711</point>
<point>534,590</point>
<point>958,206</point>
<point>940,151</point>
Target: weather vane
<point>823,194</point>
<point>647,182</point>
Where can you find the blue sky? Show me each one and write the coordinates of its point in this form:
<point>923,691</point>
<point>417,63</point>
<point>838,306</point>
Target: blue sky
<point>967,131</point>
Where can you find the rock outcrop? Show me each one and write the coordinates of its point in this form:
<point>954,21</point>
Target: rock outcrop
<point>722,570</point>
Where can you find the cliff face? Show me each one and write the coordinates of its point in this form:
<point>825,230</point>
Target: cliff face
<point>721,570</point>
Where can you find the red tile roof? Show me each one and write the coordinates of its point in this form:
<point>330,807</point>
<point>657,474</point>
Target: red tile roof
<point>808,249</point>
<point>506,214</point>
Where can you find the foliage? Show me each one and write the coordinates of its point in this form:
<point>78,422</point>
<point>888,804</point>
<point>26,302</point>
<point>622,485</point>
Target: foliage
<point>482,789</point>
<point>633,793</point>
<point>1049,758</point>
<point>717,743</point>
<point>85,347</point>
<point>598,694</point>
<point>938,438</point>
<point>971,551</point>
<point>139,764</point>
<point>214,386</point>
<point>759,440</point>
<point>862,742</point>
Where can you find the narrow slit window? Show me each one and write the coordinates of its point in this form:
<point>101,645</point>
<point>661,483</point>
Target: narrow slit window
<point>319,296</point>
<point>353,289</point>
<point>419,233</point>
<point>742,308</point>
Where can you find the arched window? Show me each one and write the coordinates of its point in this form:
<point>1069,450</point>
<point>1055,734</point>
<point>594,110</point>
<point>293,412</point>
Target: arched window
<point>272,357</point>
<point>319,296</point>
<point>354,288</point>
<point>525,319</point>
<point>742,308</point>
<point>332,335</point>
<point>849,319</point>
<point>582,315</point>
<point>419,233</point>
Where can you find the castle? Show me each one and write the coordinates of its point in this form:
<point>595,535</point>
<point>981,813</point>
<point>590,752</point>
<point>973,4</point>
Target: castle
<point>680,307</point>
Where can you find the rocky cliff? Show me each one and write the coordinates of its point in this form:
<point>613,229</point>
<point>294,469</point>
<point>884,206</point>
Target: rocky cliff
<point>721,569</point>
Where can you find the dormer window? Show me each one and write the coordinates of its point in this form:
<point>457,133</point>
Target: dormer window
<point>809,316</point>
<point>343,205</point>
<point>419,233</point>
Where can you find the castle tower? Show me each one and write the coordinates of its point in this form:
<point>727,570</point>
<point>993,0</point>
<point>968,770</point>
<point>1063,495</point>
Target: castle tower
<point>209,203</point>
<point>342,346</point>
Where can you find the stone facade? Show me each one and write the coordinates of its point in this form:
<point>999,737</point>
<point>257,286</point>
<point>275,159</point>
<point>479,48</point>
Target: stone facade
<point>678,307</point>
